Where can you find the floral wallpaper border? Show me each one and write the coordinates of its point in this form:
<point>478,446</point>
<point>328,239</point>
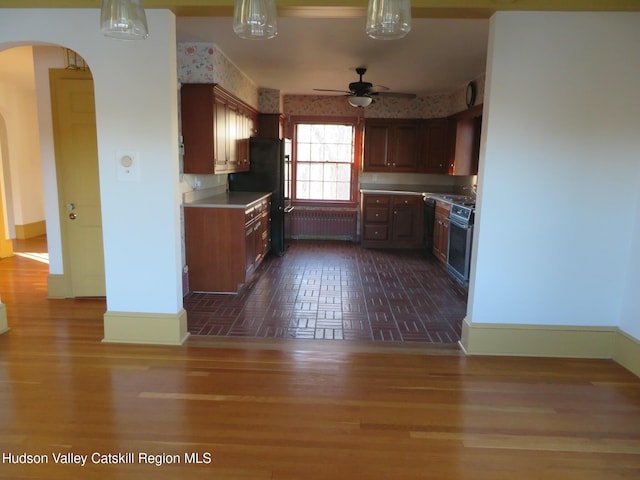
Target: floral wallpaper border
<point>206,63</point>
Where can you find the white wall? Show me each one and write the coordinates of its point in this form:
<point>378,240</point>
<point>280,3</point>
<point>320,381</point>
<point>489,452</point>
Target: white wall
<point>559,170</point>
<point>18,107</point>
<point>136,109</point>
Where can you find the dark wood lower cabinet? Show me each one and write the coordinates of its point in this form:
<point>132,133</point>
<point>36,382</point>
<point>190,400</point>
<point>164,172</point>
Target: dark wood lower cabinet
<point>218,258</point>
<point>392,221</point>
<point>441,231</point>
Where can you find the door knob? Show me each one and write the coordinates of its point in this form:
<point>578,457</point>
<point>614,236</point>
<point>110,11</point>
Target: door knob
<point>70,206</point>
<point>73,216</point>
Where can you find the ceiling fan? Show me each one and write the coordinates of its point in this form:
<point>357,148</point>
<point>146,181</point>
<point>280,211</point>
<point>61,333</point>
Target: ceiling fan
<point>360,93</point>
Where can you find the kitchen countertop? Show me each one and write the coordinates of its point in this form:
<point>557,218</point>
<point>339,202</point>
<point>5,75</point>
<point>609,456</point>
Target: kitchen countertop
<point>447,197</point>
<point>229,200</point>
<point>391,192</point>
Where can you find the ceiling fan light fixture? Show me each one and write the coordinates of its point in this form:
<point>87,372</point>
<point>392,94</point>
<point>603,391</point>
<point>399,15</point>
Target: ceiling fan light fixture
<point>388,19</point>
<point>359,101</point>
<point>123,19</point>
<point>255,19</point>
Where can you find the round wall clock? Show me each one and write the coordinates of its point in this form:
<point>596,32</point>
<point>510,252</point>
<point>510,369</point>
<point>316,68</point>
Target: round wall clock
<point>471,94</point>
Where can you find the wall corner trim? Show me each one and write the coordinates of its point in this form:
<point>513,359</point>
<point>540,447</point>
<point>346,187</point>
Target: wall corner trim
<point>145,328</point>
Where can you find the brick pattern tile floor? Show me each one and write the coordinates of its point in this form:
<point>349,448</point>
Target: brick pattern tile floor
<point>338,291</point>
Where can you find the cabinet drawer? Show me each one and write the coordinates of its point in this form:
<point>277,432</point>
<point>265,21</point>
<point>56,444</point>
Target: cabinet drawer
<point>250,214</point>
<point>379,233</point>
<point>407,200</point>
<point>443,208</point>
<point>375,200</point>
<point>376,215</point>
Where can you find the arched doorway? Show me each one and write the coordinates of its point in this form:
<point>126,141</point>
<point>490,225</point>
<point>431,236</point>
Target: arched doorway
<point>50,175</point>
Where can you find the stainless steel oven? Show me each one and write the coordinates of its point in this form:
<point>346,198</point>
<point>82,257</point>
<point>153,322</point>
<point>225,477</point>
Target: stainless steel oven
<point>460,236</point>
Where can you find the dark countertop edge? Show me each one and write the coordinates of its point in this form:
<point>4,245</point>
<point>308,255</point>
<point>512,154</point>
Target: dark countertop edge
<point>229,200</point>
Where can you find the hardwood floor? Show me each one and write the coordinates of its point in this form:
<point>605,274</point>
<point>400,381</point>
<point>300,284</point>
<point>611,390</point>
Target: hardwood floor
<point>276,409</point>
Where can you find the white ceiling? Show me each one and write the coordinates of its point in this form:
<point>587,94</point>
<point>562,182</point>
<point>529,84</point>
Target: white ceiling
<point>437,56</point>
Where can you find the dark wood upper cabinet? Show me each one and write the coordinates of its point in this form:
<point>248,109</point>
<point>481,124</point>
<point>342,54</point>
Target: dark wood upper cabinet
<point>391,145</point>
<point>448,145</point>
<point>272,125</point>
<point>465,140</point>
<point>436,146</point>
<point>216,127</point>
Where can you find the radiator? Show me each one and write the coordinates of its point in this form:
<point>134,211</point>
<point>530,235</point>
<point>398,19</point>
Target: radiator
<point>338,224</point>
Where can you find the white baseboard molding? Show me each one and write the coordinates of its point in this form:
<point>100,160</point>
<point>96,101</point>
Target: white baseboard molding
<point>551,341</point>
<point>145,328</point>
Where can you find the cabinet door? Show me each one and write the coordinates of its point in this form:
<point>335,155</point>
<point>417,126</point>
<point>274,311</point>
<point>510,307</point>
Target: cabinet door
<point>233,135</point>
<point>408,221</point>
<point>406,147</point>
<point>198,126</point>
<point>377,147</point>
<point>221,128</point>
<point>436,146</point>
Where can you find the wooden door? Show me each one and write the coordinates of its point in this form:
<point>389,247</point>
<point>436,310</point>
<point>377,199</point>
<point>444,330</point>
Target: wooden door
<point>73,108</point>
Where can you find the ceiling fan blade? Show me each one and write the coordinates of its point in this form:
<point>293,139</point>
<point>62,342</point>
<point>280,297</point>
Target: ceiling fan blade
<point>394,94</point>
<point>377,88</point>
<point>330,90</point>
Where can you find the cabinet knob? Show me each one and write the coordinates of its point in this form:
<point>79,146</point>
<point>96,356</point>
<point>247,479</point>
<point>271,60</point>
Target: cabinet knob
<point>406,201</point>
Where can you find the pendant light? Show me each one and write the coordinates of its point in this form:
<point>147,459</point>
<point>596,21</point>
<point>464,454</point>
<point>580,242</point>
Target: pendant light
<point>123,19</point>
<point>255,19</point>
<point>388,19</point>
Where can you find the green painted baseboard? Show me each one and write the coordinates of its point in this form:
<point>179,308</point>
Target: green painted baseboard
<point>151,328</point>
<point>551,341</point>
<point>31,230</point>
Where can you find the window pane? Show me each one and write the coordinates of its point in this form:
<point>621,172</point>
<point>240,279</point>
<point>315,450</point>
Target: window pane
<point>304,152</point>
<point>315,190</point>
<point>331,172</point>
<point>303,133</point>
<point>302,171</point>
<point>343,191</point>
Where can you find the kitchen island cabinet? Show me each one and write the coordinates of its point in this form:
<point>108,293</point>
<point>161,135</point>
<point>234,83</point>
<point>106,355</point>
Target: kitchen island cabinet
<point>216,127</point>
<point>392,221</point>
<point>226,239</point>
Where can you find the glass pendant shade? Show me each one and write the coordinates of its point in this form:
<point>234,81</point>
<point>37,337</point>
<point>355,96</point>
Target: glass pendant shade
<point>255,19</point>
<point>356,101</point>
<point>124,19</point>
<point>388,19</point>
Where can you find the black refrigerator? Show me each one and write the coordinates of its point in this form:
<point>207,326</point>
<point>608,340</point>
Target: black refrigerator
<point>270,160</point>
